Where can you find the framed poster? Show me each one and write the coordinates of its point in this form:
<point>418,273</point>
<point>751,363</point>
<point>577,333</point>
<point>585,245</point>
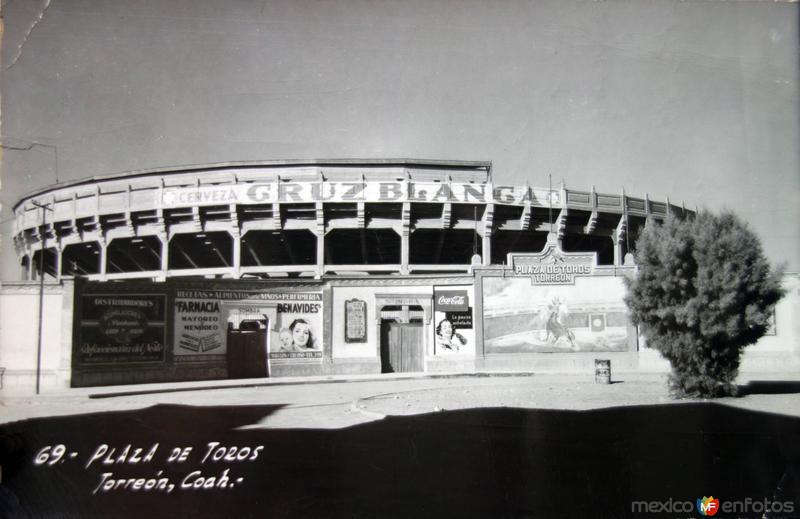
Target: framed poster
<point>121,328</point>
<point>355,321</point>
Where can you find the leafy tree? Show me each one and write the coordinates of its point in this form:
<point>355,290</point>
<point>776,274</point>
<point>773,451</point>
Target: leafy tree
<point>704,291</point>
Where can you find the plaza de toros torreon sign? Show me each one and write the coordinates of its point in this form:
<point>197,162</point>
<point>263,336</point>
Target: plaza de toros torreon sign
<point>400,191</point>
<point>553,266</point>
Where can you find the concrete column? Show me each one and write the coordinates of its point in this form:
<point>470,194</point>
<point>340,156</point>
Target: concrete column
<point>620,235</point>
<point>59,261</point>
<point>237,254</point>
<point>404,251</point>
<point>320,252</point>
<point>29,273</point>
<point>103,258</point>
<point>562,216</point>
<point>488,229</point>
<point>164,240</point>
<point>405,237</point>
<point>320,232</point>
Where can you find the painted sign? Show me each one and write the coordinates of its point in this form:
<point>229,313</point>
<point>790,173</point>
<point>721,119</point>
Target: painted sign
<point>122,328</point>
<point>355,321</point>
<point>292,320</point>
<point>451,301</point>
<point>460,320</point>
<point>587,316</point>
<point>398,191</point>
<point>553,266</point>
<point>199,327</point>
<point>453,332</point>
<point>296,331</point>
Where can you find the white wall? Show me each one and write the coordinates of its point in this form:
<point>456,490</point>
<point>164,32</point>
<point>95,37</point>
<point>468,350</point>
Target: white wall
<point>342,349</point>
<point>779,353</point>
<point>19,327</point>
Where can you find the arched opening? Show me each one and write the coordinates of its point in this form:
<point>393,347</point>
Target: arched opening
<point>444,246</point>
<point>504,242</point>
<point>269,248</point>
<point>25,264</point>
<point>200,250</point>
<point>81,259</point>
<point>49,262</point>
<point>602,245</point>
<point>134,254</point>
<point>362,247</point>
<point>635,228</point>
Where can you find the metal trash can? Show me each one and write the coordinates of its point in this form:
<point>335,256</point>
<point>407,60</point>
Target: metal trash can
<point>602,371</point>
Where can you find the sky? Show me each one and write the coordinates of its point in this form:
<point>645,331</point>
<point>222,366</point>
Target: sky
<point>695,101</point>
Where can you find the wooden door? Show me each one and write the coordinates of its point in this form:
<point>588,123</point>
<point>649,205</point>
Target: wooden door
<point>402,347</point>
<point>247,353</point>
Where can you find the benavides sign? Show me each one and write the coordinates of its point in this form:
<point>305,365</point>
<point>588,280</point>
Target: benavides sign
<point>552,266</point>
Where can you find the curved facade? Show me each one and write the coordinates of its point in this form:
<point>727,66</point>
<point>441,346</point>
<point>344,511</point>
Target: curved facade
<point>312,219</point>
<point>248,270</point>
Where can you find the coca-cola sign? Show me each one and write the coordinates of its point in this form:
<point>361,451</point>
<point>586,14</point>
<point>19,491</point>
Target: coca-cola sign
<point>451,301</point>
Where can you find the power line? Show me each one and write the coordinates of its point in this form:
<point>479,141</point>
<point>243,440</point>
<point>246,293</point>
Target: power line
<point>29,146</point>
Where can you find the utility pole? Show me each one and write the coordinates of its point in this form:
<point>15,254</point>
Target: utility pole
<point>44,208</point>
<point>550,200</point>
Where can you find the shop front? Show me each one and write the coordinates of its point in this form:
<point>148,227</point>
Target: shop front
<point>399,325</point>
<point>550,310</point>
<point>179,330</point>
<point>182,330</point>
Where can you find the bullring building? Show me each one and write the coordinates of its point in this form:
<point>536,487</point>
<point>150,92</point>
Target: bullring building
<point>298,268</point>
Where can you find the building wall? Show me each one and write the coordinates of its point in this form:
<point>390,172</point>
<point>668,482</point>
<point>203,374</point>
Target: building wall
<point>778,353</point>
<point>202,330</point>
<point>364,357</point>
<point>344,350</point>
<point>145,225</point>
<point>516,334</point>
<point>19,327</point>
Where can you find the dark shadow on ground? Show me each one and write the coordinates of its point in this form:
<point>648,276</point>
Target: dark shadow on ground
<point>770,387</point>
<point>473,463</point>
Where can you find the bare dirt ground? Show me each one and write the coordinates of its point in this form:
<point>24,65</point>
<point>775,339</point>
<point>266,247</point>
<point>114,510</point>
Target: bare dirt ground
<point>516,445</point>
<point>328,402</point>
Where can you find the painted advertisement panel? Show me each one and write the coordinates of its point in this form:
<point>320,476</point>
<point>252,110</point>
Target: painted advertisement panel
<point>454,332</point>
<point>205,319</point>
<point>122,328</point>
<point>355,317</point>
<point>589,316</point>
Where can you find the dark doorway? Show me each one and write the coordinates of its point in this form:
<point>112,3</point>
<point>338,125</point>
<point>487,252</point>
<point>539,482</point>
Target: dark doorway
<point>247,350</point>
<point>402,347</point>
